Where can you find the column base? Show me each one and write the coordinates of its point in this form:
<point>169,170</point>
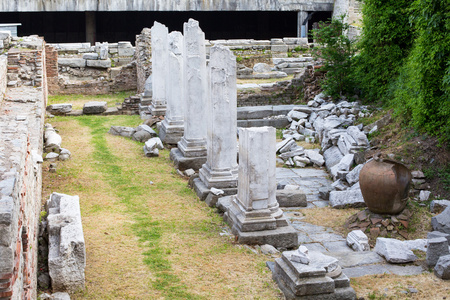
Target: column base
<point>183,163</point>
<point>203,192</point>
<point>298,281</point>
<point>193,148</point>
<point>260,227</point>
<point>170,134</point>
<point>158,110</point>
<point>219,179</point>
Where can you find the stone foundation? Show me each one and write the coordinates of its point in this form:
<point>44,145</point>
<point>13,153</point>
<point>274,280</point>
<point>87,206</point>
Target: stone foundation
<point>21,130</point>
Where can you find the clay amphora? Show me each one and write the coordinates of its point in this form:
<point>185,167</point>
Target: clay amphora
<point>385,185</point>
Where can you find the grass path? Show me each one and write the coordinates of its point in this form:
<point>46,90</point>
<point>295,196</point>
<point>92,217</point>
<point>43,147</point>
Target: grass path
<point>147,235</point>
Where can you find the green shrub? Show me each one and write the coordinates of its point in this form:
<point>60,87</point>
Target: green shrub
<point>384,44</point>
<point>336,50</point>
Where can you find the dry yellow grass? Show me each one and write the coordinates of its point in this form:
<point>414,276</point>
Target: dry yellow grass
<point>393,287</point>
<point>206,265</point>
<point>114,268</point>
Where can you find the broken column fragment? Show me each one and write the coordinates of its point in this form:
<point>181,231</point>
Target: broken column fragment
<point>221,169</point>
<point>254,214</point>
<point>172,126</point>
<point>321,278</point>
<point>160,57</point>
<point>191,151</point>
<point>67,253</point>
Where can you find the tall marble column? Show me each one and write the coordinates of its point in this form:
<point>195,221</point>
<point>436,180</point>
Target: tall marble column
<point>160,57</point>
<point>172,127</point>
<point>220,170</point>
<point>254,214</point>
<point>191,151</point>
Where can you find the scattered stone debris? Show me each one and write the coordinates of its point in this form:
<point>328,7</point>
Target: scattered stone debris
<point>436,247</point>
<point>394,251</point>
<point>59,109</point>
<point>152,147</point>
<point>321,278</point>
<point>380,225</point>
<point>52,146</point>
<point>67,254</point>
<point>358,241</point>
<point>441,222</point>
<point>95,107</point>
<point>438,206</point>
<point>55,296</point>
<point>442,268</point>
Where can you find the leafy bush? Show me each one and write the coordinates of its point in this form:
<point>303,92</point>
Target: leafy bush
<point>336,50</point>
<point>384,44</point>
<point>422,91</point>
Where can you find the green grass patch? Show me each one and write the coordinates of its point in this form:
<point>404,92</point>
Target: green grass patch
<point>131,194</point>
<point>78,100</point>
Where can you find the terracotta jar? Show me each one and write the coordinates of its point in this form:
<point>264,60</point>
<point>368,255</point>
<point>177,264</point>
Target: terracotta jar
<point>385,185</point>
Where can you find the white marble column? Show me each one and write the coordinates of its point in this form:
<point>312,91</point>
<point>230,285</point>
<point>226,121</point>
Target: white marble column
<point>257,166</point>
<point>172,127</point>
<point>254,214</point>
<point>160,55</point>
<point>193,142</point>
<point>220,170</point>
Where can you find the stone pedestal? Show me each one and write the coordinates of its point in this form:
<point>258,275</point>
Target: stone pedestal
<point>221,169</point>
<point>254,214</point>
<point>172,127</point>
<point>191,152</point>
<point>160,57</point>
<point>321,279</point>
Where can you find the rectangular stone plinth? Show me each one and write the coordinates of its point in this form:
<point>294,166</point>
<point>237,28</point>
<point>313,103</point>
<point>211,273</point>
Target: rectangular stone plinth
<point>298,281</point>
<point>203,192</point>
<point>170,134</point>
<point>281,237</point>
<point>183,163</point>
<point>158,110</point>
<point>67,253</point>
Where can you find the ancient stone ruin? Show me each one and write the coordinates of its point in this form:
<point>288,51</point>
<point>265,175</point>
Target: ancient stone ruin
<point>187,85</point>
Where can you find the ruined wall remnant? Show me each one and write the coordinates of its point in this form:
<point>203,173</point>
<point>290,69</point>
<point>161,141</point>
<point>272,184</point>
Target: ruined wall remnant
<point>3,77</point>
<point>143,58</point>
<point>162,5</point>
<point>21,130</point>
<point>51,60</point>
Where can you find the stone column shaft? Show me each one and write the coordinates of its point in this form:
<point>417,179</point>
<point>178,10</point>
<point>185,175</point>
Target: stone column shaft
<point>257,167</point>
<point>172,127</point>
<point>160,56</point>
<point>220,170</point>
<point>193,142</point>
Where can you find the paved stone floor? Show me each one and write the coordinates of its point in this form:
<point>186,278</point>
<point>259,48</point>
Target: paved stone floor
<point>323,239</point>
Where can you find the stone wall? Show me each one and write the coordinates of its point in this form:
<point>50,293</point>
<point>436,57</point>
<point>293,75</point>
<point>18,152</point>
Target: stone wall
<point>143,58</point>
<point>353,15</point>
<point>164,5</point>
<point>51,60</point>
<point>3,78</point>
<point>284,92</point>
<point>75,68</point>
<point>21,128</point>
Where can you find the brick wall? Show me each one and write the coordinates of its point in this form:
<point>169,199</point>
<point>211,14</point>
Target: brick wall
<point>51,60</point>
<point>21,129</point>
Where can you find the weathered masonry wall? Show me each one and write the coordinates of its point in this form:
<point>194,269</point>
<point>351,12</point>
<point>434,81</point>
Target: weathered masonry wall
<point>3,78</point>
<point>143,57</point>
<point>21,130</point>
<point>164,5</point>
